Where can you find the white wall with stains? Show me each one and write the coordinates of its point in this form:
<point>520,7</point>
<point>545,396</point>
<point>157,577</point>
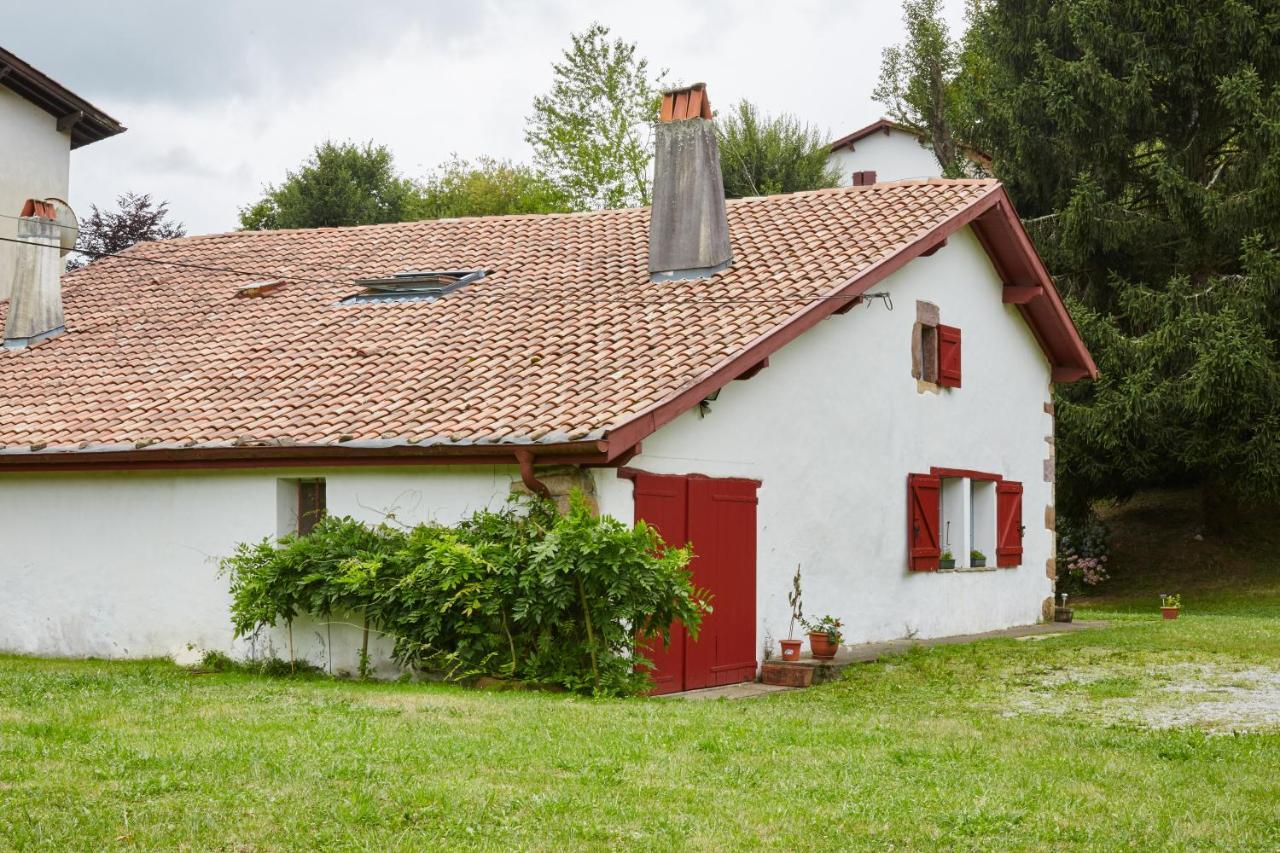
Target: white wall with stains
<point>35,162</point>
<point>833,427</point>
<point>126,565</point>
<point>893,156</point>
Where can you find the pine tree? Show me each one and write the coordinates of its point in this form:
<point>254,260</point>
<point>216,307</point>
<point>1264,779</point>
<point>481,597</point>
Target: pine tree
<point>1141,141</point>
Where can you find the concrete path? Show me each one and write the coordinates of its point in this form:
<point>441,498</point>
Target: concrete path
<point>868,652</point>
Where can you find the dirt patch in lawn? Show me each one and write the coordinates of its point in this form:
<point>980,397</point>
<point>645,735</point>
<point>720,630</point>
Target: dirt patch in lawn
<point>1220,699</point>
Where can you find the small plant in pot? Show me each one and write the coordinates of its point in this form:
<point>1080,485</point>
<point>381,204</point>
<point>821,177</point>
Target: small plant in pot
<point>1170,606</point>
<point>977,559</point>
<point>947,560</point>
<point>791,646</point>
<point>824,637</point>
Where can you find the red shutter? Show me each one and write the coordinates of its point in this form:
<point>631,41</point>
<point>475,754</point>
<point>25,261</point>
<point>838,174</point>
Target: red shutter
<point>1008,524</point>
<point>924,498</point>
<point>949,356</point>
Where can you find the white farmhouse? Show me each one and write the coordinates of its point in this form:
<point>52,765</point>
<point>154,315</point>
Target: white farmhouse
<point>888,151</point>
<point>851,381</point>
<point>41,122</point>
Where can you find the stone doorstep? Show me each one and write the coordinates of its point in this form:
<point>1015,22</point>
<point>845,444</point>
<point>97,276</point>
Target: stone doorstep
<point>827,670</point>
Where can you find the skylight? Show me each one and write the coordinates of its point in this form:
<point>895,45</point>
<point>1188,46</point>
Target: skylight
<point>413,285</point>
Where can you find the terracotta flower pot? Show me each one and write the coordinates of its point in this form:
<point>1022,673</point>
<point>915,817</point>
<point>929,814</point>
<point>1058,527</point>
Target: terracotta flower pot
<point>791,649</point>
<point>821,646</point>
<point>1170,612</point>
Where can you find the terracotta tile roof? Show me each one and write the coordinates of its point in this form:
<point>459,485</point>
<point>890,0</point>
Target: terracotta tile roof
<point>565,339</point>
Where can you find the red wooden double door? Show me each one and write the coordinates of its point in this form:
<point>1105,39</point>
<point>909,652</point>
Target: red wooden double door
<point>718,517</point>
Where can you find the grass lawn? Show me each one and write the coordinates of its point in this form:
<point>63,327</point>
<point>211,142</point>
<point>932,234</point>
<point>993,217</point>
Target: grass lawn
<point>1146,734</point>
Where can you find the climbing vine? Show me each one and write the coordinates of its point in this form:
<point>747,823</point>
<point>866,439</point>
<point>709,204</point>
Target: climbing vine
<point>521,593</point>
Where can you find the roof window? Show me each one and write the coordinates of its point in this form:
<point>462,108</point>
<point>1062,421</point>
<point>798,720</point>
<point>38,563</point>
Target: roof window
<point>413,285</point>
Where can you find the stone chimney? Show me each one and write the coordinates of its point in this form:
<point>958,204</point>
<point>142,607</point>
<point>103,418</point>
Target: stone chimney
<point>688,228</point>
<point>35,304</point>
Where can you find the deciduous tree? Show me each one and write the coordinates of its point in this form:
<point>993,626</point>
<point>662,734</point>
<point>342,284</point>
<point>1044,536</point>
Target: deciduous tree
<point>592,133</point>
<point>487,187</point>
<point>765,155</point>
<point>339,184</point>
<point>924,83</point>
<point>136,219</point>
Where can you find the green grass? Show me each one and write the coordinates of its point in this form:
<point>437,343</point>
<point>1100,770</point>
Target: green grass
<point>1039,744</point>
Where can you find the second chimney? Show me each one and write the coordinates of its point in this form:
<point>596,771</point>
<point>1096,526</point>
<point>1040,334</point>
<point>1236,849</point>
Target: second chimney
<point>688,228</point>
<point>35,305</point>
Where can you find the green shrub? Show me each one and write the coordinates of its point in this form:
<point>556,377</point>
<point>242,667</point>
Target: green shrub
<point>522,593</point>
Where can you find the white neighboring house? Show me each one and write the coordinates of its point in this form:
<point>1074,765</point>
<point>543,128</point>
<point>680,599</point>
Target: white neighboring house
<point>848,380</point>
<point>41,122</point>
<point>888,151</point>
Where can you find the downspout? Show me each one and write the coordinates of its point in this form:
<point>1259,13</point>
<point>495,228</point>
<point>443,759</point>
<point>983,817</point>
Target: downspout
<point>532,483</point>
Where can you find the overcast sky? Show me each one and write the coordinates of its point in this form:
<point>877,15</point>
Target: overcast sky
<point>222,97</point>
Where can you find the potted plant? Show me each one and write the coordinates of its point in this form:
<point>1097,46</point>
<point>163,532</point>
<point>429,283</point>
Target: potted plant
<point>1170,606</point>
<point>824,637</point>
<point>1063,613</point>
<point>947,560</point>
<point>791,646</point>
<point>977,559</point>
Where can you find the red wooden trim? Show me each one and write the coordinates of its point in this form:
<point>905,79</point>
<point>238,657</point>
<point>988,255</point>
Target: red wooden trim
<point>882,124</point>
<point>626,473</point>
<point>934,248</point>
<point>659,414</point>
<point>848,306</point>
<point>1006,240</point>
<point>752,371</point>
<point>966,473</point>
<point>1069,374</point>
<point>587,453</point>
<point>1019,294</point>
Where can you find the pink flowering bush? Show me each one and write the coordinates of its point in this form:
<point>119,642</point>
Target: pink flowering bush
<point>1083,548</point>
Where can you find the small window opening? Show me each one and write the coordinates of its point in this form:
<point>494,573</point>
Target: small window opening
<point>426,285</point>
<point>929,354</point>
<point>301,505</point>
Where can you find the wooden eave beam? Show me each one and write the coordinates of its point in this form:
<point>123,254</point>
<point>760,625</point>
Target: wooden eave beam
<point>1019,294</point>
<point>70,120</point>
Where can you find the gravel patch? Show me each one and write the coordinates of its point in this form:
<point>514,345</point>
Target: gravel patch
<point>1216,698</point>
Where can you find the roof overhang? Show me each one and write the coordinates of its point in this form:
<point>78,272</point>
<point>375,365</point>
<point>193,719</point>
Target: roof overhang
<point>169,458</point>
<point>1027,286</point>
<point>882,125</point>
<point>1001,234</point>
<point>85,122</point>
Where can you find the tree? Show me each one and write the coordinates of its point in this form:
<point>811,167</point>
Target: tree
<point>339,184</point>
<point>487,187</point>
<point>593,132</point>
<point>1142,141</point>
<point>763,155</point>
<point>137,219</point>
<point>923,85</point>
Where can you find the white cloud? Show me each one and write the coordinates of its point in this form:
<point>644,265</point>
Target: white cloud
<point>221,98</point>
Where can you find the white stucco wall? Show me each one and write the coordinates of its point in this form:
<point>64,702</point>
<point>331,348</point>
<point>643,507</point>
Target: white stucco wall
<point>834,425</point>
<point>126,565</point>
<point>35,162</point>
<point>894,156</point>
<point>120,565</point>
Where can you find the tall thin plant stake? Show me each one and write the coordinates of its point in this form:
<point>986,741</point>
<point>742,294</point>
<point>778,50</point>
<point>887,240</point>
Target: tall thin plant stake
<point>591,637</point>
<point>364,649</point>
